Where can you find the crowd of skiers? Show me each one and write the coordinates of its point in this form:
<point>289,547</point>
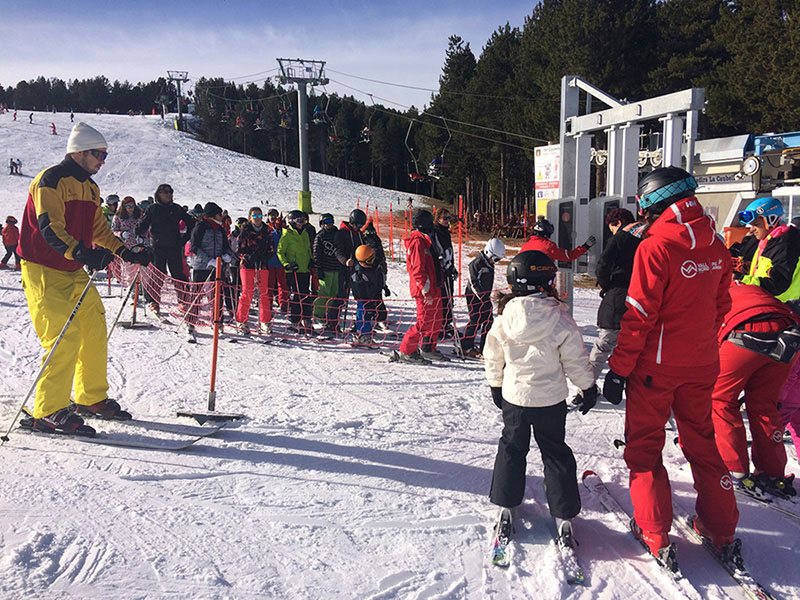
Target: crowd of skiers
<point>686,327</point>
<point>688,330</point>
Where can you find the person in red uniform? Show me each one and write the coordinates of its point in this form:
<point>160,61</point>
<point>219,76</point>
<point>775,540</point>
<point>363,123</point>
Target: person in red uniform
<point>419,342</point>
<point>760,377</point>
<point>540,240</point>
<point>667,350</point>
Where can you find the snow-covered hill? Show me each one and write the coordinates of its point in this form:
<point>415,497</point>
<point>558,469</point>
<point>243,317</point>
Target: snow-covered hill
<point>350,478</point>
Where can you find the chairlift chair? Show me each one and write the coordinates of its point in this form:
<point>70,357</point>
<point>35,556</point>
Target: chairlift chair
<point>414,174</point>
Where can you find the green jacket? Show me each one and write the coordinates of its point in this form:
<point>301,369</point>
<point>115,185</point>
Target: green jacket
<point>295,247</point>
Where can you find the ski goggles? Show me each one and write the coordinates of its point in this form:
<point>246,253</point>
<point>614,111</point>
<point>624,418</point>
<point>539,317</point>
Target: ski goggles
<point>328,221</point>
<point>257,216</point>
<point>746,217</point>
<point>99,154</point>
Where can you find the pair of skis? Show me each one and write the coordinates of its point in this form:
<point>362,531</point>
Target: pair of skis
<point>134,439</point>
<point>502,547</point>
<point>684,521</point>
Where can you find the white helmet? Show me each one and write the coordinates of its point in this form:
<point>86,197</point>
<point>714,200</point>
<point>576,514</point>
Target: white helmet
<point>495,250</point>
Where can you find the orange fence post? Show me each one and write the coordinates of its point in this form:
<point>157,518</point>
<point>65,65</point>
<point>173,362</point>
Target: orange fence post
<point>358,202</point>
<point>460,236</point>
<point>212,393</point>
<point>391,232</point>
<point>377,222</point>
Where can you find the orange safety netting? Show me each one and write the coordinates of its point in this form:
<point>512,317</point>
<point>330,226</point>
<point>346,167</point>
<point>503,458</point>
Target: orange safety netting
<point>376,322</point>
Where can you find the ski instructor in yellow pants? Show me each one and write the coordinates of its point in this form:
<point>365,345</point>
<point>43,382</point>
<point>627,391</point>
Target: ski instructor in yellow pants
<point>63,228</point>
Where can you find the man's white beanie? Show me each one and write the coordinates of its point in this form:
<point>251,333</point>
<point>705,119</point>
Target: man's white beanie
<point>84,137</point>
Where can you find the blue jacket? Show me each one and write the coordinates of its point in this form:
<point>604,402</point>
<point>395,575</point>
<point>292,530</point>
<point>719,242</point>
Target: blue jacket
<point>274,261</point>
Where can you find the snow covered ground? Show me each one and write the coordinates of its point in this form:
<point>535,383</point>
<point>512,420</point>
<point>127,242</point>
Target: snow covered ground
<point>350,478</point>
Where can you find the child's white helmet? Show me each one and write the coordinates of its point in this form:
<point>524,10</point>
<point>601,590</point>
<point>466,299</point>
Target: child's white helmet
<point>495,249</point>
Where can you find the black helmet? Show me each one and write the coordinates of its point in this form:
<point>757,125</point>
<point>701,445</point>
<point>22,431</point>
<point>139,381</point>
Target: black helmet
<point>531,271</point>
<point>273,212</point>
<point>325,218</point>
<point>358,218</point>
<point>543,228</point>
<point>423,221</point>
<point>297,216</point>
<point>664,186</point>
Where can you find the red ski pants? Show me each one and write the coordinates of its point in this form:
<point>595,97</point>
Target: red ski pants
<point>790,404</point>
<point>650,398</point>
<point>428,325</point>
<point>761,379</point>
<point>278,285</point>
<point>249,278</point>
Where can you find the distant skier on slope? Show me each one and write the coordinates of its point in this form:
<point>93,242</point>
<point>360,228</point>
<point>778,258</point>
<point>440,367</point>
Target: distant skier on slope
<point>667,352</point>
<point>63,229</point>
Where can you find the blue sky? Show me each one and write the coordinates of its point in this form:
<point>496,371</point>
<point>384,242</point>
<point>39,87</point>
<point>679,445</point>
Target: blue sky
<point>399,42</point>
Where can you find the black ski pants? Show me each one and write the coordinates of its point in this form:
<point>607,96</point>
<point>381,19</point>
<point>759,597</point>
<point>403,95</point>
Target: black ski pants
<point>560,479</point>
<point>480,319</point>
<point>301,302</point>
<point>169,257</point>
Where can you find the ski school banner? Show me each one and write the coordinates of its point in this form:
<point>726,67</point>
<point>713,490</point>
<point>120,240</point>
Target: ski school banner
<point>546,164</point>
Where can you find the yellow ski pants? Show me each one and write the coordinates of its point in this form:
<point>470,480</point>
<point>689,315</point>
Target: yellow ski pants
<point>82,354</point>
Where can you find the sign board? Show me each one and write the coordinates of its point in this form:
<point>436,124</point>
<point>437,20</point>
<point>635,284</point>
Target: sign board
<point>546,164</point>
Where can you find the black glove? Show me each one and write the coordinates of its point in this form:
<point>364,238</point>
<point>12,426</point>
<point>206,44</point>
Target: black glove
<point>94,258</point>
<point>386,291</point>
<point>590,241</point>
<point>497,397</point>
<point>143,257</point>
<point>613,386</point>
<point>587,399</point>
<point>291,267</point>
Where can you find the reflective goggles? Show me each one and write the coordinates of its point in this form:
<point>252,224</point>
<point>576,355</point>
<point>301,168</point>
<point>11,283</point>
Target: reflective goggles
<point>747,217</point>
<point>99,154</point>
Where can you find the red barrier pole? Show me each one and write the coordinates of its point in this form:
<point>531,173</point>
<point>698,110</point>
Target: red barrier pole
<point>108,278</point>
<point>358,202</point>
<point>135,299</point>
<point>460,236</point>
<point>377,222</point>
<point>212,393</point>
<point>391,232</point>
<point>367,211</point>
<point>525,222</point>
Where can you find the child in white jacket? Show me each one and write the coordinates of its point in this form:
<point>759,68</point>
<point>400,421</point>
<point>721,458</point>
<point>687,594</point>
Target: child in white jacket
<point>532,346</point>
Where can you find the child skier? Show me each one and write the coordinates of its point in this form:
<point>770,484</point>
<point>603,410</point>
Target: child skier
<point>367,282</point>
<point>532,346</point>
<point>478,294</point>
<point>10,241</point>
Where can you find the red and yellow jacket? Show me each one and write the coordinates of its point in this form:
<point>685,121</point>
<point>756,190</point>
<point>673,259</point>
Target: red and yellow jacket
<point>677,298</point>
<point>63,208</point>
<point>421,268</point>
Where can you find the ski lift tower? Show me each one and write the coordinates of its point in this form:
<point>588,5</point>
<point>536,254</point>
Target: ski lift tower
<point>178,77</point>
<point>303,73</point>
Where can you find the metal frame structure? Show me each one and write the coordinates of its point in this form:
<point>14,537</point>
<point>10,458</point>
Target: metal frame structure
<point>622,124</point>
<point>178,77</point>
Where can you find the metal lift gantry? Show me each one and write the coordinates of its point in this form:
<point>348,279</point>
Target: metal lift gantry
<point>571,214</point>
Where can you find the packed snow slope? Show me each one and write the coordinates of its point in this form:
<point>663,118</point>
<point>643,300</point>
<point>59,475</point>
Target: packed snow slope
<point>351,477</point>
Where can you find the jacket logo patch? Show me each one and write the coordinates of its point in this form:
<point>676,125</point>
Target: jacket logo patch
<point>725,482</point>
<point>689,269</point>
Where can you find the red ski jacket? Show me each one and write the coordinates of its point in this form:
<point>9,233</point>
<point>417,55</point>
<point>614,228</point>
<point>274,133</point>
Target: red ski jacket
<point>419,262</point>
<point>750,301</point>
<point>553,250</point>
<point>678,296</point>
<point>10,235</point>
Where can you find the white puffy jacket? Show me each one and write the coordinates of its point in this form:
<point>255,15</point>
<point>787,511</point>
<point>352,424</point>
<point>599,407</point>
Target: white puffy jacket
<point>530,349</point>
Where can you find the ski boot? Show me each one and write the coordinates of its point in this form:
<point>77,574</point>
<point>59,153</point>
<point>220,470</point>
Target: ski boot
<point>659,546</point>
<point>243,329</point>
<point>565,537</point>
<point>63,421</point>
<point>105,409</point>
<point>415,358</point>
<point>783,487</point>
<point>433,355</point>
<point>727,549</point>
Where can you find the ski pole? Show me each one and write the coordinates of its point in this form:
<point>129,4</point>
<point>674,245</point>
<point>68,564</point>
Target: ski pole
<point>191,306</point>
<point>124,302</point>
<point>50,355</point>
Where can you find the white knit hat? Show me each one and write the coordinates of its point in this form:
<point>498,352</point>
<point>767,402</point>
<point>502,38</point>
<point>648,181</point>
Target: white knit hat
<point>84,137</point>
